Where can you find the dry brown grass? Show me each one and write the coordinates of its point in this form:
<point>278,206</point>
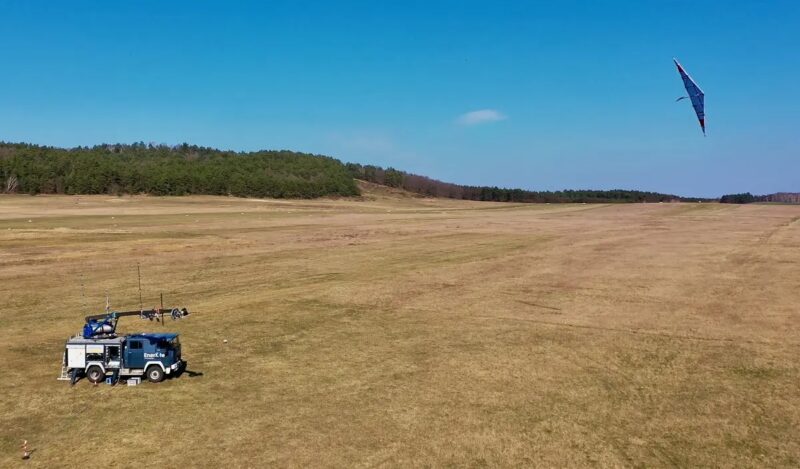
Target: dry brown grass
<point>398,331</point>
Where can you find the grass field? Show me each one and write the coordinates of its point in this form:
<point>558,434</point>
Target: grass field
<point>398,331</point>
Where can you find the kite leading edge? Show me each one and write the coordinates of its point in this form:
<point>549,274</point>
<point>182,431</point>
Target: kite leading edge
<point>695,95</point>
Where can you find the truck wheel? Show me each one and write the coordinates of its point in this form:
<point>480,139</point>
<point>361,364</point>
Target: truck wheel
<point>154,374</point>
<point>95,374</point>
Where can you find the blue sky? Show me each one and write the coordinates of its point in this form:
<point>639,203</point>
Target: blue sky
<point>562,94</point>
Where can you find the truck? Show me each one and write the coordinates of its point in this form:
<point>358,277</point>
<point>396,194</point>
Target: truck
<point>99,353</point>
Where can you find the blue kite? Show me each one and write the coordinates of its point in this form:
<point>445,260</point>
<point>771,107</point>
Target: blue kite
<point>695,95</point>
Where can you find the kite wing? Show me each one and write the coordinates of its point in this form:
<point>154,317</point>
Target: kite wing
<point>695,94</point>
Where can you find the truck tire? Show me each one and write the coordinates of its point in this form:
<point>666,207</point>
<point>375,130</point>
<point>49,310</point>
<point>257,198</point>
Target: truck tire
<point>95,374</point>
<point>154,374</point>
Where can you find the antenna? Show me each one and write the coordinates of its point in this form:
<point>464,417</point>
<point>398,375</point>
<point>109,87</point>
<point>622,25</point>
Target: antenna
<point>108,305</point>
<point>161,310</point>
<point>83,296</point>
<point>139,275</point>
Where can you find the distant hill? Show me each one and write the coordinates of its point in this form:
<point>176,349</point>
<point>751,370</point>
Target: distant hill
<point>188,169</point>
<point>372,190</point>
<point>164,170</point>
<point>434,188</point>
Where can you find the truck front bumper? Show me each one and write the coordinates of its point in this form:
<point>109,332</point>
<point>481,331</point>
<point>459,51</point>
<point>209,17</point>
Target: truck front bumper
<point>177,367</point>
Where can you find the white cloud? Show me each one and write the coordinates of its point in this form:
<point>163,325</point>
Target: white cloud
<point>480,117</point>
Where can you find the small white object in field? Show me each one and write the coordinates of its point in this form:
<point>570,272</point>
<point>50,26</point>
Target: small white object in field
<point>224,341</point>
<point>112,218</point>
<point>30,221</point>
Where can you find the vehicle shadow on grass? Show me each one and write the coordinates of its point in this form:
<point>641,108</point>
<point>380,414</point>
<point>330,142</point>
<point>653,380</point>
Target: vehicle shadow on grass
<point>192,374</point>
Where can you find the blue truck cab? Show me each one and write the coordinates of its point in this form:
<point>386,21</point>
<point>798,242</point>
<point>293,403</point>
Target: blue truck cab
<point>153,351</point>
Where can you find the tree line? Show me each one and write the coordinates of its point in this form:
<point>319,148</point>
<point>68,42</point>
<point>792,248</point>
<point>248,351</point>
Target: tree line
<point>184,169</point>
<point>434,188</point>
<point>743,198</point>
<point>170,170</point>
<point>748,198</point>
